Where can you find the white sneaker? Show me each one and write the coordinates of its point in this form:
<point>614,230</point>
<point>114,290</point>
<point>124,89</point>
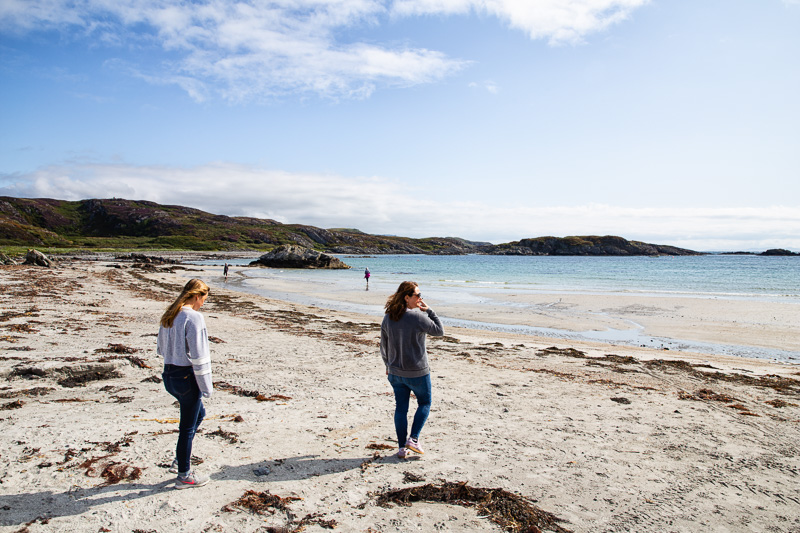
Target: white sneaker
<point>401,453</point>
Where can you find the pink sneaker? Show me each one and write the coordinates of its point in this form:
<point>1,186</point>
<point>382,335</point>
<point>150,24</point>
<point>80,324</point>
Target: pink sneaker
<point>414,446</point>
<point>401,453</point>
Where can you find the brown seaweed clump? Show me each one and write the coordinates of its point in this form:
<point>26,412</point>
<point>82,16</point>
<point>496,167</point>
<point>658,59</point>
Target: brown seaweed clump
<point>780,403</point>
<point>512,512</point>
<point>264,502</point>
<point>230,436</point>
<point>260,502</point>
<point>117,348</point>
<point>235,389</point>
<point>376,446</point>
<point>115,473</point>
<point>706,394</point>
<point>16,404</point>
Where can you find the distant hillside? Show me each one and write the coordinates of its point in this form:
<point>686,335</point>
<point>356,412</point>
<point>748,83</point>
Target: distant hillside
<point>587,245</point>
<point>117,223</point>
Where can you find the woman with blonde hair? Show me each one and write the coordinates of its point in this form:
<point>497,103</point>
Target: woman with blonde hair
<point>183,343</point>
<point>407,322</point>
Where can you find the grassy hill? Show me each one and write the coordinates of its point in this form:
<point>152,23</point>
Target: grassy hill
<point>117,224</point>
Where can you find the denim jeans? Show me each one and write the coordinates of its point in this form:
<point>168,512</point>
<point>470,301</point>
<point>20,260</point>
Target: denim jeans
<point>179,381</point>
<point>421,387</point>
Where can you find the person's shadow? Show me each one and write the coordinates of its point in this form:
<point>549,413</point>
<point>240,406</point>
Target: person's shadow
<point>296,468</point>
<point>23,508</point>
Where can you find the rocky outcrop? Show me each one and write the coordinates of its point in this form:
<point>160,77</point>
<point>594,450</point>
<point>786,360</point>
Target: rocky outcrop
<point>35,257</point>
<point>5,260</point>
<point>291,256</point>
<point>585,245</point>
<point>146,259</point>
<point>778,251</point>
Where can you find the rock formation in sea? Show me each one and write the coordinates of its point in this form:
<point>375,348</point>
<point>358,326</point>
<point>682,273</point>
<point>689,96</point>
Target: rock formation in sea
<point>778,251</point>
<point>586,245</point>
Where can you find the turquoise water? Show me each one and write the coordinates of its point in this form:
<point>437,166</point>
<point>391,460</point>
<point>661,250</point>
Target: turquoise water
<point>473,278</point>
<point>721,276</point>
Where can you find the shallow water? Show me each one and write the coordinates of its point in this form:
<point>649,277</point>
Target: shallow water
<point>472,279</point>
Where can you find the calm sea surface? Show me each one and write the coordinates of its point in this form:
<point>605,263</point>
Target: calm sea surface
<point>720,276</point>
<point>470,278</point>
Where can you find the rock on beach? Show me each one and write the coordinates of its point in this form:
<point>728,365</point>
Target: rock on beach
<point>291,256</point>
<point>35,257</point>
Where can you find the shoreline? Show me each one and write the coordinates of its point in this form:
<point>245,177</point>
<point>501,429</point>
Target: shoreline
<point>748,328</point>
<point>601,437</point>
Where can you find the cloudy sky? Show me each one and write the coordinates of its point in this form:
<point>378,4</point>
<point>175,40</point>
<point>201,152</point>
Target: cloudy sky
<point>668,121</point>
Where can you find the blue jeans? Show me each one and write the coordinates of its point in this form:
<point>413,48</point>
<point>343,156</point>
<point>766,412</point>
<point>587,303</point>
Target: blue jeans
<point>403,387</point>
<point>179,381</point>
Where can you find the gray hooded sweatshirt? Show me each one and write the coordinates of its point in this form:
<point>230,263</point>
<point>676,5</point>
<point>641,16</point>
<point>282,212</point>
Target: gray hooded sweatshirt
<point>403,342</point>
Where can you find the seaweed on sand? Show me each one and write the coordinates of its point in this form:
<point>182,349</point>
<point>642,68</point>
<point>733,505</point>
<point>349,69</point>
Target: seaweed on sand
<point>781,384</point>
<point>376,446</point>
<point>115,472</point>
<point>263,502</point>
<point>235,389</point>
<point>706,394</point>
<point>230,436</point>
<point>273,398</point>
<point>512,512</point>
<point>125,352</point>
<point>79,379</point>
<point>16,404</point>
<point>780,403</point>
<point>35,391</point>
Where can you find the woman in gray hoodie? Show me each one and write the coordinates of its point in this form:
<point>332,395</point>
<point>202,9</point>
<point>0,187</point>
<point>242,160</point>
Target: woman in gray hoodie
<point>407,322</point>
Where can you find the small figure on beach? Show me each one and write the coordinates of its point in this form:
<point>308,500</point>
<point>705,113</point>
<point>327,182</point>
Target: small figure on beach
<point>407,322</point>
<point>225,271</point>
<point>366,276</point>
<point>183,343</point>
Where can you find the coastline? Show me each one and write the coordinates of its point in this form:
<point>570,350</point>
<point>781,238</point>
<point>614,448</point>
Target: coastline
<point>604,437</point>
<point>750,328</point>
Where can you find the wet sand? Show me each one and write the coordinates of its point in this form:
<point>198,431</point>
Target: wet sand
<point>682,322</point>
<point>587,436</point>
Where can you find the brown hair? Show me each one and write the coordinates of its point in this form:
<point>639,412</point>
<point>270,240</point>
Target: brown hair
<point>396,304</point>
<point>193,288</point>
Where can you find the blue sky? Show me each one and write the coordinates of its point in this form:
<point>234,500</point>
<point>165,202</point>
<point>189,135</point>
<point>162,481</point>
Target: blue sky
<point>674,122</point>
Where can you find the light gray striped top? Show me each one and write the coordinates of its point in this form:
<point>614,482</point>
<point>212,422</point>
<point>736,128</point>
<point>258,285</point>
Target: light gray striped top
<point>186,344</point>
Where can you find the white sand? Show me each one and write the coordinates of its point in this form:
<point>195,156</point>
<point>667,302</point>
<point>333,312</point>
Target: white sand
<point>505,415</point>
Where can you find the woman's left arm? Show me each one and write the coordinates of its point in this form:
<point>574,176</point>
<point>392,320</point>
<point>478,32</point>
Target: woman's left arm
<point>199,354</point>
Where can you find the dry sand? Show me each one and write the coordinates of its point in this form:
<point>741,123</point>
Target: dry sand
<point>601,438</point>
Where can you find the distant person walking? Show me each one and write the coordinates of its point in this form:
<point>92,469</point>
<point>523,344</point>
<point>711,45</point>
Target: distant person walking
<point>225,271</point>
<point>183,343</point>
<point>366,276</point>
<point>407,322</point>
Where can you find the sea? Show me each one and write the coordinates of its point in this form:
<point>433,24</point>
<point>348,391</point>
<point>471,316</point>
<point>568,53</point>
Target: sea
<point>470,279</point>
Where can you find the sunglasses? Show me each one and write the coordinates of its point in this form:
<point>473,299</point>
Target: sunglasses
<point>418,295</point>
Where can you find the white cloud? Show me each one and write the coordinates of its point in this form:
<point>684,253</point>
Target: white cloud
<point>251,49</point>
<point>559,21</point>
<point>246,49</point>
<point>381,206</point>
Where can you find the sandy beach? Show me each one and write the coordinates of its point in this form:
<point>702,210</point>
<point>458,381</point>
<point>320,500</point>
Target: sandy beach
<point>525,433</point>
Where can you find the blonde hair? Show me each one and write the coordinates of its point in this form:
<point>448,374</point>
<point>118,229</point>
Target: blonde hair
<point>193,288</point>
<point>396,304</point>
